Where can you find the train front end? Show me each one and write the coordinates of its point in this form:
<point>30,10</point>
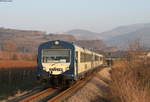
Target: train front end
<point>56,62</point>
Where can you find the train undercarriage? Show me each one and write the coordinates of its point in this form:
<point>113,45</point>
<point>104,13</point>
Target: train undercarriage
<point>58,81</point>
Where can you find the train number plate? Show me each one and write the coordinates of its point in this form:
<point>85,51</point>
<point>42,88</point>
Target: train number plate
<point>55,69</point>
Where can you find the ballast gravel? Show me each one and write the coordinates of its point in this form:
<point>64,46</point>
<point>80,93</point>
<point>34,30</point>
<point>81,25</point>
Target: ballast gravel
<point>95,90</point>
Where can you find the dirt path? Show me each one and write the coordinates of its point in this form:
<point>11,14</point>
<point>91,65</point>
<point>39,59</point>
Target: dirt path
<point>95,90</point>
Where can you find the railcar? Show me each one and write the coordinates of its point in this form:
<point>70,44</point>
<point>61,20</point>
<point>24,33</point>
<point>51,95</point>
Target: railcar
<point>61,63</point>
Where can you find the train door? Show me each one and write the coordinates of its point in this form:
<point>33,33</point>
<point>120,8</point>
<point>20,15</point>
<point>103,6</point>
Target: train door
<point>92,61</point>
<point>76,62</point>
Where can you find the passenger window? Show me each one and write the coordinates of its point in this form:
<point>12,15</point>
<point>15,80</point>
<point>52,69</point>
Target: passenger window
<point>76,58</point>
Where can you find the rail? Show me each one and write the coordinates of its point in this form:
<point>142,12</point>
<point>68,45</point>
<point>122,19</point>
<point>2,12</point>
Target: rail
<point>38,96</point>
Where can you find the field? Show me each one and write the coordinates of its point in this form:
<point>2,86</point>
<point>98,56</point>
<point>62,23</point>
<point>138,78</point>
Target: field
<point>16,76</point>
<point>130,81</point>
<point>16,64</point>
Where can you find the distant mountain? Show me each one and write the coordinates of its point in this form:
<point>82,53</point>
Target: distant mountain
<point>123,30</point>
<point>142,34</point>
<point>28,40</point>
<point>123,36</point>
<point>84,34</point>
<point>119,37</point>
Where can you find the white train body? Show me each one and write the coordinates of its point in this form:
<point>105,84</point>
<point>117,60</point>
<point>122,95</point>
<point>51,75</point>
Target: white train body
<point>66,60</point>
<point>87,60</point>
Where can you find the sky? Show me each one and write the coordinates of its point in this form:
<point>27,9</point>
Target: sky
<point>62,15</point>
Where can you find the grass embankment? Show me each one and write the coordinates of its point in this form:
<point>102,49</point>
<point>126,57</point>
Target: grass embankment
<point>16,76</point>
<point>130,82</point>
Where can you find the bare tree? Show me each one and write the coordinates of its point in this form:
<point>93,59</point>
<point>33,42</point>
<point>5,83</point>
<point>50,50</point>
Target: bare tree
<point>9,46</point>
<point>136,44</point>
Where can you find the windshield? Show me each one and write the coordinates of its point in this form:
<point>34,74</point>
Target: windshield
<point>55,55</point>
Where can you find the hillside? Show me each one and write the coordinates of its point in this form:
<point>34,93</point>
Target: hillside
<point>122,36</point>
<point>22,40</point>
<point>119,37</point>
<point>123,30</point>
<point>142,34</point>
<point>27,41</point>
<point>82,34</point>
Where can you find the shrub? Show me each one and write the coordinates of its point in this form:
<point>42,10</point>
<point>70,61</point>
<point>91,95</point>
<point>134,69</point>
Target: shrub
<point>130,82</point>
<point>14,79</point>
<point>14,57</point>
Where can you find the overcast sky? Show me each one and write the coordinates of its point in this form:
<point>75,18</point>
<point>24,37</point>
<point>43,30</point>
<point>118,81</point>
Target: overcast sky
<point>63,15</point>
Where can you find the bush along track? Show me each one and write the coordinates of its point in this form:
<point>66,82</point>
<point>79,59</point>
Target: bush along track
<point>130,82</point>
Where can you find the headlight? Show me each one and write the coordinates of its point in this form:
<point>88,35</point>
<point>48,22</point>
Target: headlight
<point>56,42</point>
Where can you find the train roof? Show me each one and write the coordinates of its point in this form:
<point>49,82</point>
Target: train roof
<point>89,50</point>
<point>83,48</point>
<point>73,44</point>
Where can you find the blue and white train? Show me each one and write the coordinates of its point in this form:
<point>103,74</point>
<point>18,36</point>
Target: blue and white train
<point>61,63</point>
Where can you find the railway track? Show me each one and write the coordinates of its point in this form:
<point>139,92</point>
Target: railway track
<point>57,95</point>
<point>42,96</point>
<point>70,91</point>
<point>28,94</point>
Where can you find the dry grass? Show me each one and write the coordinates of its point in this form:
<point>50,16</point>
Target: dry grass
<point>14,79</point>
<point>17,56</point>
<point>17,64</point>
<point>130,82</point>
<point>16,75</point>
